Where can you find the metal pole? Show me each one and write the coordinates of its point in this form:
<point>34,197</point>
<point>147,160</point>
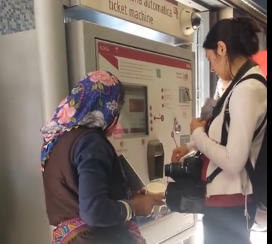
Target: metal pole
<point>49,18</point>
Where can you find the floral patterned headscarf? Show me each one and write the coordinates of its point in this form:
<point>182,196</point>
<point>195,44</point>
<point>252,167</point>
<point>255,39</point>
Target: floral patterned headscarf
<point>94,102</point>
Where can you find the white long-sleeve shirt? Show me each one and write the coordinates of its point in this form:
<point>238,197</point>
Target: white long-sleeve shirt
<point>247,108</point>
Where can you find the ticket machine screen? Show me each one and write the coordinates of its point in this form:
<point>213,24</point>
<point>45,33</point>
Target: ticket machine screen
<point>133,121</point>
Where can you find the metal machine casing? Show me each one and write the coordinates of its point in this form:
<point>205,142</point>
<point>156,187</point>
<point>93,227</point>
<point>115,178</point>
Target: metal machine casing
<point>91,47</point>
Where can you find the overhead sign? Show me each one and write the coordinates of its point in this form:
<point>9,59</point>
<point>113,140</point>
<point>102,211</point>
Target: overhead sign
<point>159,15</point>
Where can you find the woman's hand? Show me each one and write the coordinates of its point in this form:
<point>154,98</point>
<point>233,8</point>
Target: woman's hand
<point>198,123</point>
<point>143,204</point>
<point>135,193</point>
<point>179,152</point>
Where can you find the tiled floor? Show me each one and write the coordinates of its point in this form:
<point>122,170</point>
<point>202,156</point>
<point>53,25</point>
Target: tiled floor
<point>256,237</point>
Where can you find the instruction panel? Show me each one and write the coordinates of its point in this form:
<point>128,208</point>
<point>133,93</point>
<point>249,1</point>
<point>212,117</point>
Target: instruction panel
<point>158,98</point>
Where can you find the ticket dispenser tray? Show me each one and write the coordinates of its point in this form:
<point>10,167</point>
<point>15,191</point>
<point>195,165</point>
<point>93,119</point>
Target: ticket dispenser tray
<point>155,160</point>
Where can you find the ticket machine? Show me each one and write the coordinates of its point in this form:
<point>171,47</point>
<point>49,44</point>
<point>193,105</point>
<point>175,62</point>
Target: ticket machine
<point>159,101</point>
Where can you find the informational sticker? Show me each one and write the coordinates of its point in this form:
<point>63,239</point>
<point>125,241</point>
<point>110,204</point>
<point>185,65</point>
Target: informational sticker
<point>185,139</point>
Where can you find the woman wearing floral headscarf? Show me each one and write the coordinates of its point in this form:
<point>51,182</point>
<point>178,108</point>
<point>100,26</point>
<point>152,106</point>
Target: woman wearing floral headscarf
<point>86,194</point>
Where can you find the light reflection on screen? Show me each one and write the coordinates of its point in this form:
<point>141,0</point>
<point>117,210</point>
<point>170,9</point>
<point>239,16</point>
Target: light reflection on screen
<point>133,118</point>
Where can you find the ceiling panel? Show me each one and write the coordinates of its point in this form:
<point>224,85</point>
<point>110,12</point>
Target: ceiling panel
<point>248,6</point>
<point>260,3</point>
<point>211,4</point>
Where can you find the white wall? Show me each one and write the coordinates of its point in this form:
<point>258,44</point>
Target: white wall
<point>22,208</point>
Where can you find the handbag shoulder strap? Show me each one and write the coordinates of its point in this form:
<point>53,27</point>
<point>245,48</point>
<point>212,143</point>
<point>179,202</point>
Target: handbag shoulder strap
<point>224,137</point>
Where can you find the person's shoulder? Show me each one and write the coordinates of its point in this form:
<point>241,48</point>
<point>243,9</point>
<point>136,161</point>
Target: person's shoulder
<point>250,92</point>
<point>95,138</point>
<point>252,84</point>
<point>93,144</point>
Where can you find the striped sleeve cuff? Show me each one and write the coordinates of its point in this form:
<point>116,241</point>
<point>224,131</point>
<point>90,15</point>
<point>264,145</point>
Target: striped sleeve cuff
<point>129,210</point>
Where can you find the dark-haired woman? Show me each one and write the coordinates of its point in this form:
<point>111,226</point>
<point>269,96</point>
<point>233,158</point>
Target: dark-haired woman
<point>230,210</point>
